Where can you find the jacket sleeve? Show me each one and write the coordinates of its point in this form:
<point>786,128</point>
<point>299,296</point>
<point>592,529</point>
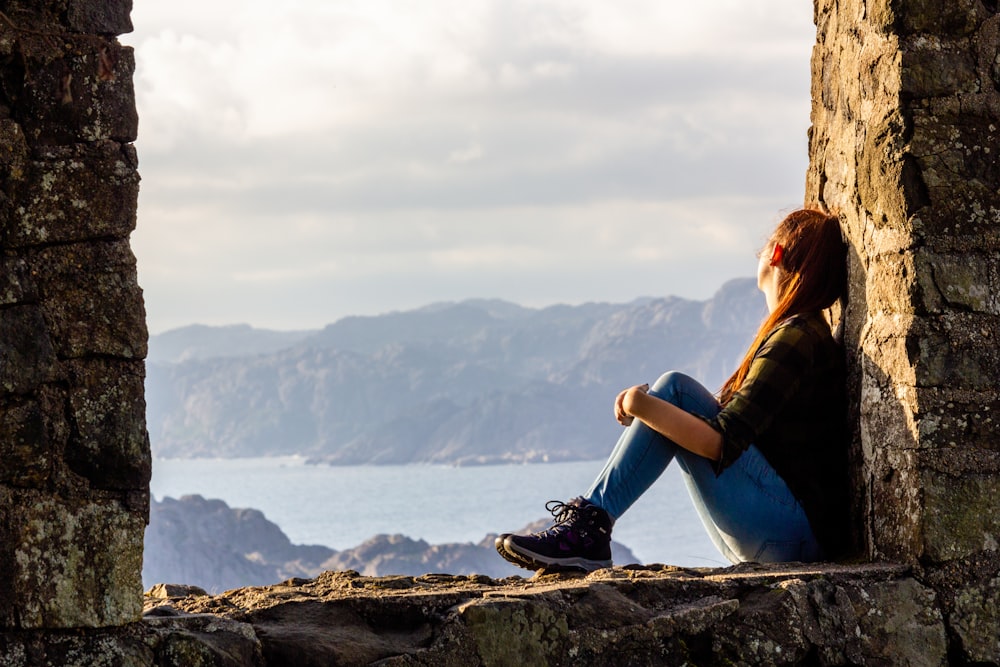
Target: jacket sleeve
<point>776,374</point>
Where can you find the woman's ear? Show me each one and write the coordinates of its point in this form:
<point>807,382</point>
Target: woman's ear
<point>776,254</point>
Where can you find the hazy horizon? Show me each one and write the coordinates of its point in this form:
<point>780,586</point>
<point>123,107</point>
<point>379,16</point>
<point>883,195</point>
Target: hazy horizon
<point>431,305</point>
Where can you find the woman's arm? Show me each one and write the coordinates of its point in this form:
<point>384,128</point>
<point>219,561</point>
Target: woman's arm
<point>690,432</point>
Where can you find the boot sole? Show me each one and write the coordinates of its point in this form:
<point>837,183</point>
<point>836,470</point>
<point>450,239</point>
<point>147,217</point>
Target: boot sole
<point>510,556</point>
<point>532,561</point>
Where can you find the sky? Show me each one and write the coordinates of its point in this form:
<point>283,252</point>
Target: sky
<point>308,160</point>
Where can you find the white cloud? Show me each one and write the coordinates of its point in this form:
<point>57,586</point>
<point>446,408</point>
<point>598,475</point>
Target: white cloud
<point>396,153</point>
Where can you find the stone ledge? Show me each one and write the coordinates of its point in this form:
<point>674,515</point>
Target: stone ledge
<point>792,614</point>
<point>635,615</point>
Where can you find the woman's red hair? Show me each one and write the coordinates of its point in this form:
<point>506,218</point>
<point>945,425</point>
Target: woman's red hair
<point>813,277</point>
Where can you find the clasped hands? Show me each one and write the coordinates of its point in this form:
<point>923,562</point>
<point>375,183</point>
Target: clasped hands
<point>625,398</point>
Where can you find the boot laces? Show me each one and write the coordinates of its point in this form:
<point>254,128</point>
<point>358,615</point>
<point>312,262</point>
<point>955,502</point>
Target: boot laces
<point>567,516</point>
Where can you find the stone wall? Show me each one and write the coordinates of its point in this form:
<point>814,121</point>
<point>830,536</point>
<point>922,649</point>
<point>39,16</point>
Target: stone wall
<point>74,456</point>
<point>905,145</point>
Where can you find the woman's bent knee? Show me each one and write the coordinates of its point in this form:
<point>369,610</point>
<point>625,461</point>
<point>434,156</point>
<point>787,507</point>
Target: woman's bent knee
<point>668,383</point>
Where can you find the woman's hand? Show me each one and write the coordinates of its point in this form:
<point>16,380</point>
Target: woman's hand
<point>623,417</point>
<point>683,428</point>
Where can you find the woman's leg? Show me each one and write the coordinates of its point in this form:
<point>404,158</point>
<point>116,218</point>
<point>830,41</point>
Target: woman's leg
<point>642,454</point>
<point>581,537</point>
<point>748,510</point>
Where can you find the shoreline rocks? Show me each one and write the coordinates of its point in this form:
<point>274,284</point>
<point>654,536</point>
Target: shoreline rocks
<point>206,543</point>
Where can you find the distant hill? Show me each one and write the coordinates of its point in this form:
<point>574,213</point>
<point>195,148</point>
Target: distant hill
<point>474,382</point>
<point>198,341</point>
<point>205,543</point>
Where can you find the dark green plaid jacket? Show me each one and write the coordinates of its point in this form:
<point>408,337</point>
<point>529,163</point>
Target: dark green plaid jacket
<point>792,407</point>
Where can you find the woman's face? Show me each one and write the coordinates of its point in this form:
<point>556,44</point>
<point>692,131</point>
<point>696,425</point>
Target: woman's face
<point>767,275</point>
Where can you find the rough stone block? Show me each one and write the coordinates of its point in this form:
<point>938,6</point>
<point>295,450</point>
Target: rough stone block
<point>948,352</point>
<point>885,418</point>
<point>882,15</point>
<point>16,285</point>
<point>955,148</point>
<point>512,631</point>
<point>894,504</point>
<point>975,620</point>
<point>68,563</point>
<point>889,185</point>
<point>965,217</point>
<point>960,497</point>
<point>104,17</point>
<point>85,94</point>
<point>940,17</point>
<point>27,353</point>
<point>884,352</point>
<point>204,639</point>
<point>109,445</point>
<point>889,285</point>
<point>949,418</point>
<point>91,299</point>
<point>968,282</point>
<point>78,193</point>
<point>906,627</point>
<point>100,648</point>
<point>936,68</point>
<point>27,448</point>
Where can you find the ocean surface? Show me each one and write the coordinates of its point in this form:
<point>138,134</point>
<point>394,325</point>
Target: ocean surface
<point>341,507</point>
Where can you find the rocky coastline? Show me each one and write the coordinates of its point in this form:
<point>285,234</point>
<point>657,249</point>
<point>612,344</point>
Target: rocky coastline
<point>205,543</point>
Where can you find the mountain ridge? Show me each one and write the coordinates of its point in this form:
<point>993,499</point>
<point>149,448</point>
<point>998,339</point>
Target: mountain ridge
<point>473,382</point>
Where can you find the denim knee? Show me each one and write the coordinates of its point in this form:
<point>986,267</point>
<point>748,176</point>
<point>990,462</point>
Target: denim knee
<point>686,393</point>
<point>667,384</point>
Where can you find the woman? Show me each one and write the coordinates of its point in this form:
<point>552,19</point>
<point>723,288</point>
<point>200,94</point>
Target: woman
<point>765,463</point>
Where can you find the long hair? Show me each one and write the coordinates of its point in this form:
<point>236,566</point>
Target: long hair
<point>813,277</point>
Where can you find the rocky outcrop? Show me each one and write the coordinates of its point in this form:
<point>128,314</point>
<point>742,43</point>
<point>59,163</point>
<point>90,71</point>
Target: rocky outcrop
<point>641,615</point>
<point>205,543</point>
<point>208,544</point>
<point>749,615</point>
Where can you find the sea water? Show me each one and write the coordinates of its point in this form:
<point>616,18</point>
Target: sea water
<point>340,507</point>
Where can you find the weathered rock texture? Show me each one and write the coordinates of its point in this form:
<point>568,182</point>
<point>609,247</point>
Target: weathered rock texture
<point>904,145</point>
<point>748,615</point>
<point>74,456</point>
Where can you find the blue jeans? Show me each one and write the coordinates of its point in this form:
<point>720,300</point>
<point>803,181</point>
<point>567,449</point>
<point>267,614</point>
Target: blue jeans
<point>748,510</point>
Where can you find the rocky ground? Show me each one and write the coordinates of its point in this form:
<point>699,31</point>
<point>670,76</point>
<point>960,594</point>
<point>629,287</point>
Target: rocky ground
<point>655,615</point>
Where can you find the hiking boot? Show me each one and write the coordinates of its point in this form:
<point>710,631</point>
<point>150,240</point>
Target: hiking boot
<point>580,539</point>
